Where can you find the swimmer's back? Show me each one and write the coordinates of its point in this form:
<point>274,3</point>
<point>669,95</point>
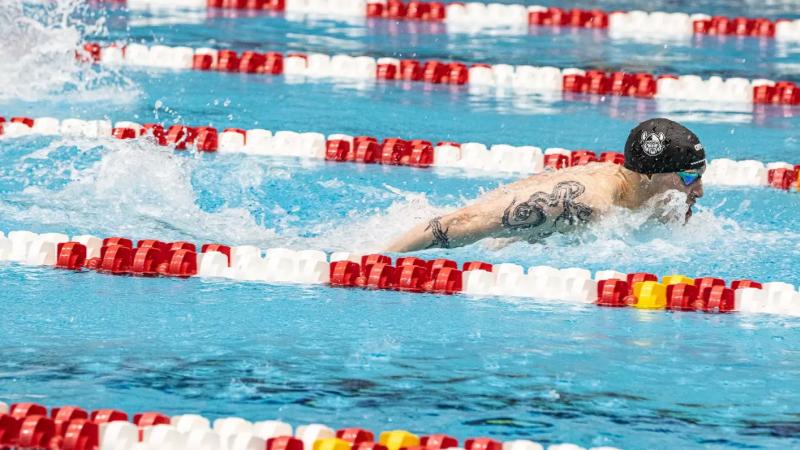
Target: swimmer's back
<point>529,209</point>
<point>552,201</point>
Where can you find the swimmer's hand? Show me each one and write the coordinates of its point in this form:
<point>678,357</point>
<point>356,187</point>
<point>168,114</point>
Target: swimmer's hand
<point>672,207</point>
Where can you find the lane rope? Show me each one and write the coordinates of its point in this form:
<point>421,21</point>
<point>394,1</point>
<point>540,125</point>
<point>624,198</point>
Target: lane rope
<point>498,158</point>
<point>476,16</point>
<point>30,425</point>
<point>519,79</point>
<point>607,288</point>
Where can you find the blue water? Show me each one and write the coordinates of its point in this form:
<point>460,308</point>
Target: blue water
<point>506,368</point>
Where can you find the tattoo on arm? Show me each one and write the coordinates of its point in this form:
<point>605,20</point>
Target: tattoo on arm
<point>531,213</point>
<point>440,238</point>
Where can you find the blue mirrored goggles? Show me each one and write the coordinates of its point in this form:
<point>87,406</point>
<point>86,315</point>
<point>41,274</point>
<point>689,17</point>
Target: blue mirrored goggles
<point>689,178</point>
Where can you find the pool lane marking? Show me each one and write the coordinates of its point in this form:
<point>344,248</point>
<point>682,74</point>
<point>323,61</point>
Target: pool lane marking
<point>475,17</point>
<point>28,425</point>
<point>609,288</point>
<point>470,156</point>
<point>574,83</point>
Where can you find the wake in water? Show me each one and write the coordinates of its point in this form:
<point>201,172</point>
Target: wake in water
<point>37,60</point>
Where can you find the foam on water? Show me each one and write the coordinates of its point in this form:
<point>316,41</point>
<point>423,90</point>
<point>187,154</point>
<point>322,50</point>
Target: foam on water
<point>37,60</point>
<point>371,231</point>
<point>130,188</point>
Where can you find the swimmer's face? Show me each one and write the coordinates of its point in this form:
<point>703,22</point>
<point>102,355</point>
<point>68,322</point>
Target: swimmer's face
<point>689,182</point>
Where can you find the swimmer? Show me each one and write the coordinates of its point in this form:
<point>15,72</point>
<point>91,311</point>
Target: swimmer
<point>660,156</point>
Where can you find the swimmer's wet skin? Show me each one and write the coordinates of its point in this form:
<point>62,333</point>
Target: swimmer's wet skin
<point>660,156</point>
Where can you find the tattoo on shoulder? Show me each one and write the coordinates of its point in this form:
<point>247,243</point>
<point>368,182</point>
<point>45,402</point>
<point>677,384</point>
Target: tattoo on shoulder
<point>531,213</point>
<point>440,238</point>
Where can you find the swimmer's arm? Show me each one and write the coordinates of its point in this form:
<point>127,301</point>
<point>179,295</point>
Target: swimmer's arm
<point>461,227</point>
<point>507,213</point>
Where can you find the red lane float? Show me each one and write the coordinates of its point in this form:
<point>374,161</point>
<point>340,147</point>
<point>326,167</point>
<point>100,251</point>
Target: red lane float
<point>269,5</point>
<point>116,256</point>
<point>393,151</point>
<point>410,274</point>
<point>524,79</point>
<point>156,430</point>
<point>119,257</point>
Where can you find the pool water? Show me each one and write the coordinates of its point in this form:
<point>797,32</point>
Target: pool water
<point>505,368</point>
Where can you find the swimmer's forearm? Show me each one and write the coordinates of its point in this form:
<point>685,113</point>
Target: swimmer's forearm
<point>415,239</point>
<point>453,230</point>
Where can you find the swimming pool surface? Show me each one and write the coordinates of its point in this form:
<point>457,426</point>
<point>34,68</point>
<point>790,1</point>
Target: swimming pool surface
<point>505,368</point>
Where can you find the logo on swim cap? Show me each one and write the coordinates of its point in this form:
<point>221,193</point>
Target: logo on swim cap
<point>698,147</point>
<point>652,143</point>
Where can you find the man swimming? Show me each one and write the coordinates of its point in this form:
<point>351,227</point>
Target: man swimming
<point>660,156</point>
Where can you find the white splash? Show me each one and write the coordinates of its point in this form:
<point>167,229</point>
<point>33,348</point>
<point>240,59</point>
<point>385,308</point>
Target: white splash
<point>37,58</point>
<point>632,240</point>
<point>132,188</point>
<point>373,229</point>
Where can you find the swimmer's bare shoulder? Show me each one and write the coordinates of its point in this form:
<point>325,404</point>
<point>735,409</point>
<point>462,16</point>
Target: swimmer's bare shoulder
<point>529,209</point>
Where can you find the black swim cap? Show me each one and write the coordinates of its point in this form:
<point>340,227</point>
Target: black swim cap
<point>663,146</point>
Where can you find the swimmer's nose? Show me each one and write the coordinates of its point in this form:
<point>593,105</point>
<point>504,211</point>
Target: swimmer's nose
<point>697,190</point>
